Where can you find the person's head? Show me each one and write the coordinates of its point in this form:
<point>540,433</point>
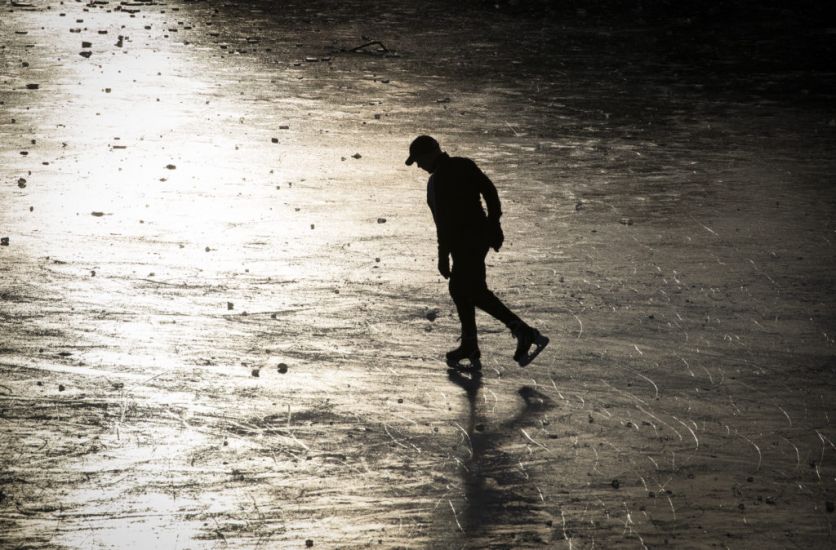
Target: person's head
<point>425,151</point>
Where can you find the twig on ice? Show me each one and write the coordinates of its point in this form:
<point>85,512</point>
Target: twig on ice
<point>367,44</point>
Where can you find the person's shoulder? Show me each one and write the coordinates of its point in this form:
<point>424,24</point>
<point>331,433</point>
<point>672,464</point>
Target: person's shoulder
<point>462,162</point>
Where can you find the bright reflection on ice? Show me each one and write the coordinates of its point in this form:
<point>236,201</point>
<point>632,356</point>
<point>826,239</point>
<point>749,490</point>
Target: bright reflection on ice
<point>221,326</point>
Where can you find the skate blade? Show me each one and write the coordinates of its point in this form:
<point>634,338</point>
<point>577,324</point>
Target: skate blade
<point>472,365</point>
<point>540,343</point>
<point>469,380</point>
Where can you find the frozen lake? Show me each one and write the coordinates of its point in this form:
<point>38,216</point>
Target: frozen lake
<point>220,320</point>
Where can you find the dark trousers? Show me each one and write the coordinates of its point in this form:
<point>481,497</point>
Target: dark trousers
<point>469,290</point>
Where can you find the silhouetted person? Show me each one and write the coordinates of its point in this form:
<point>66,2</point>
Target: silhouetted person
<point>465,232</point>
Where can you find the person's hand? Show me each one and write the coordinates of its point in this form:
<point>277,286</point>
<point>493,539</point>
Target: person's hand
<point>495,235</point>
<point>444,266</point>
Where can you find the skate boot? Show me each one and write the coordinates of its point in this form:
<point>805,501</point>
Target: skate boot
<point>527,337</point>
<point>469,350</point>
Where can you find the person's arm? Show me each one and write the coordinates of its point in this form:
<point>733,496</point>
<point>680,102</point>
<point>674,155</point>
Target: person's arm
<point>488,191</point>
<point>442,237</point>
<point>489,194</point>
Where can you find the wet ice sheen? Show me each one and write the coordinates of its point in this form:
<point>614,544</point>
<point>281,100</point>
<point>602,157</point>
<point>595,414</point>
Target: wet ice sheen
<point>673,241</point>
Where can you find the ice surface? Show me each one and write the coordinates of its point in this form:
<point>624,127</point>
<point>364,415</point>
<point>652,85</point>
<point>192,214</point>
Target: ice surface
<point>669,225</point>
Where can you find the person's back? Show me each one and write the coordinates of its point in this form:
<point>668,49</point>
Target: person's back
<point>455,193</point>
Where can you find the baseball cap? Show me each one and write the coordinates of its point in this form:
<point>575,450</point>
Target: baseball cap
<point>421,146</point>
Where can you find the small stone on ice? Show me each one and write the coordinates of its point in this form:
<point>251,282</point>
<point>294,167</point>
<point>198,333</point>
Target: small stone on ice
<point>282,368</point>
<point>85,44</point>
<point>4,241</point>
<point>170,166</point>
<point>21,183</point>
<point>309,543</point>
<point>32,86</point>
<point>229,305</point>
<point>356,156</point>
<point>61,387</point>
<point>97,214</point>
<point>274,140</point>
<point>381,220</point>
<point>255,373</point>
<point>615,484</point>
<point>85,54</point>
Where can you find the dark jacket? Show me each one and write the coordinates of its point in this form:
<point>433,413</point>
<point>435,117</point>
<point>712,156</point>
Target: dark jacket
<point>453,194</point>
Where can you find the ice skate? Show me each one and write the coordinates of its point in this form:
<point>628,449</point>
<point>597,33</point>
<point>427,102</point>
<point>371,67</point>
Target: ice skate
<point>468,350</point>
<point>526,338</point>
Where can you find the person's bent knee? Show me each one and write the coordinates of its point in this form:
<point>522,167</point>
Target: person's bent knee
<point>460,288</point>
<point>483,293</point>
<point>454,287</point>
<point>471,291</point>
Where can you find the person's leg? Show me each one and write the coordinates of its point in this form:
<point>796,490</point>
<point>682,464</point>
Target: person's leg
<point>490,304</point>
<point>486,300</point>
<point>461,284</point>
<point>461,290</point>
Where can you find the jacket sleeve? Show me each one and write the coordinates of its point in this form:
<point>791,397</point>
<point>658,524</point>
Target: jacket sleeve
<point>488,192</point>
<point>440,219</point>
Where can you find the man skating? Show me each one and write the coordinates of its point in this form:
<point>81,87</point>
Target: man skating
<point>466,233</point>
